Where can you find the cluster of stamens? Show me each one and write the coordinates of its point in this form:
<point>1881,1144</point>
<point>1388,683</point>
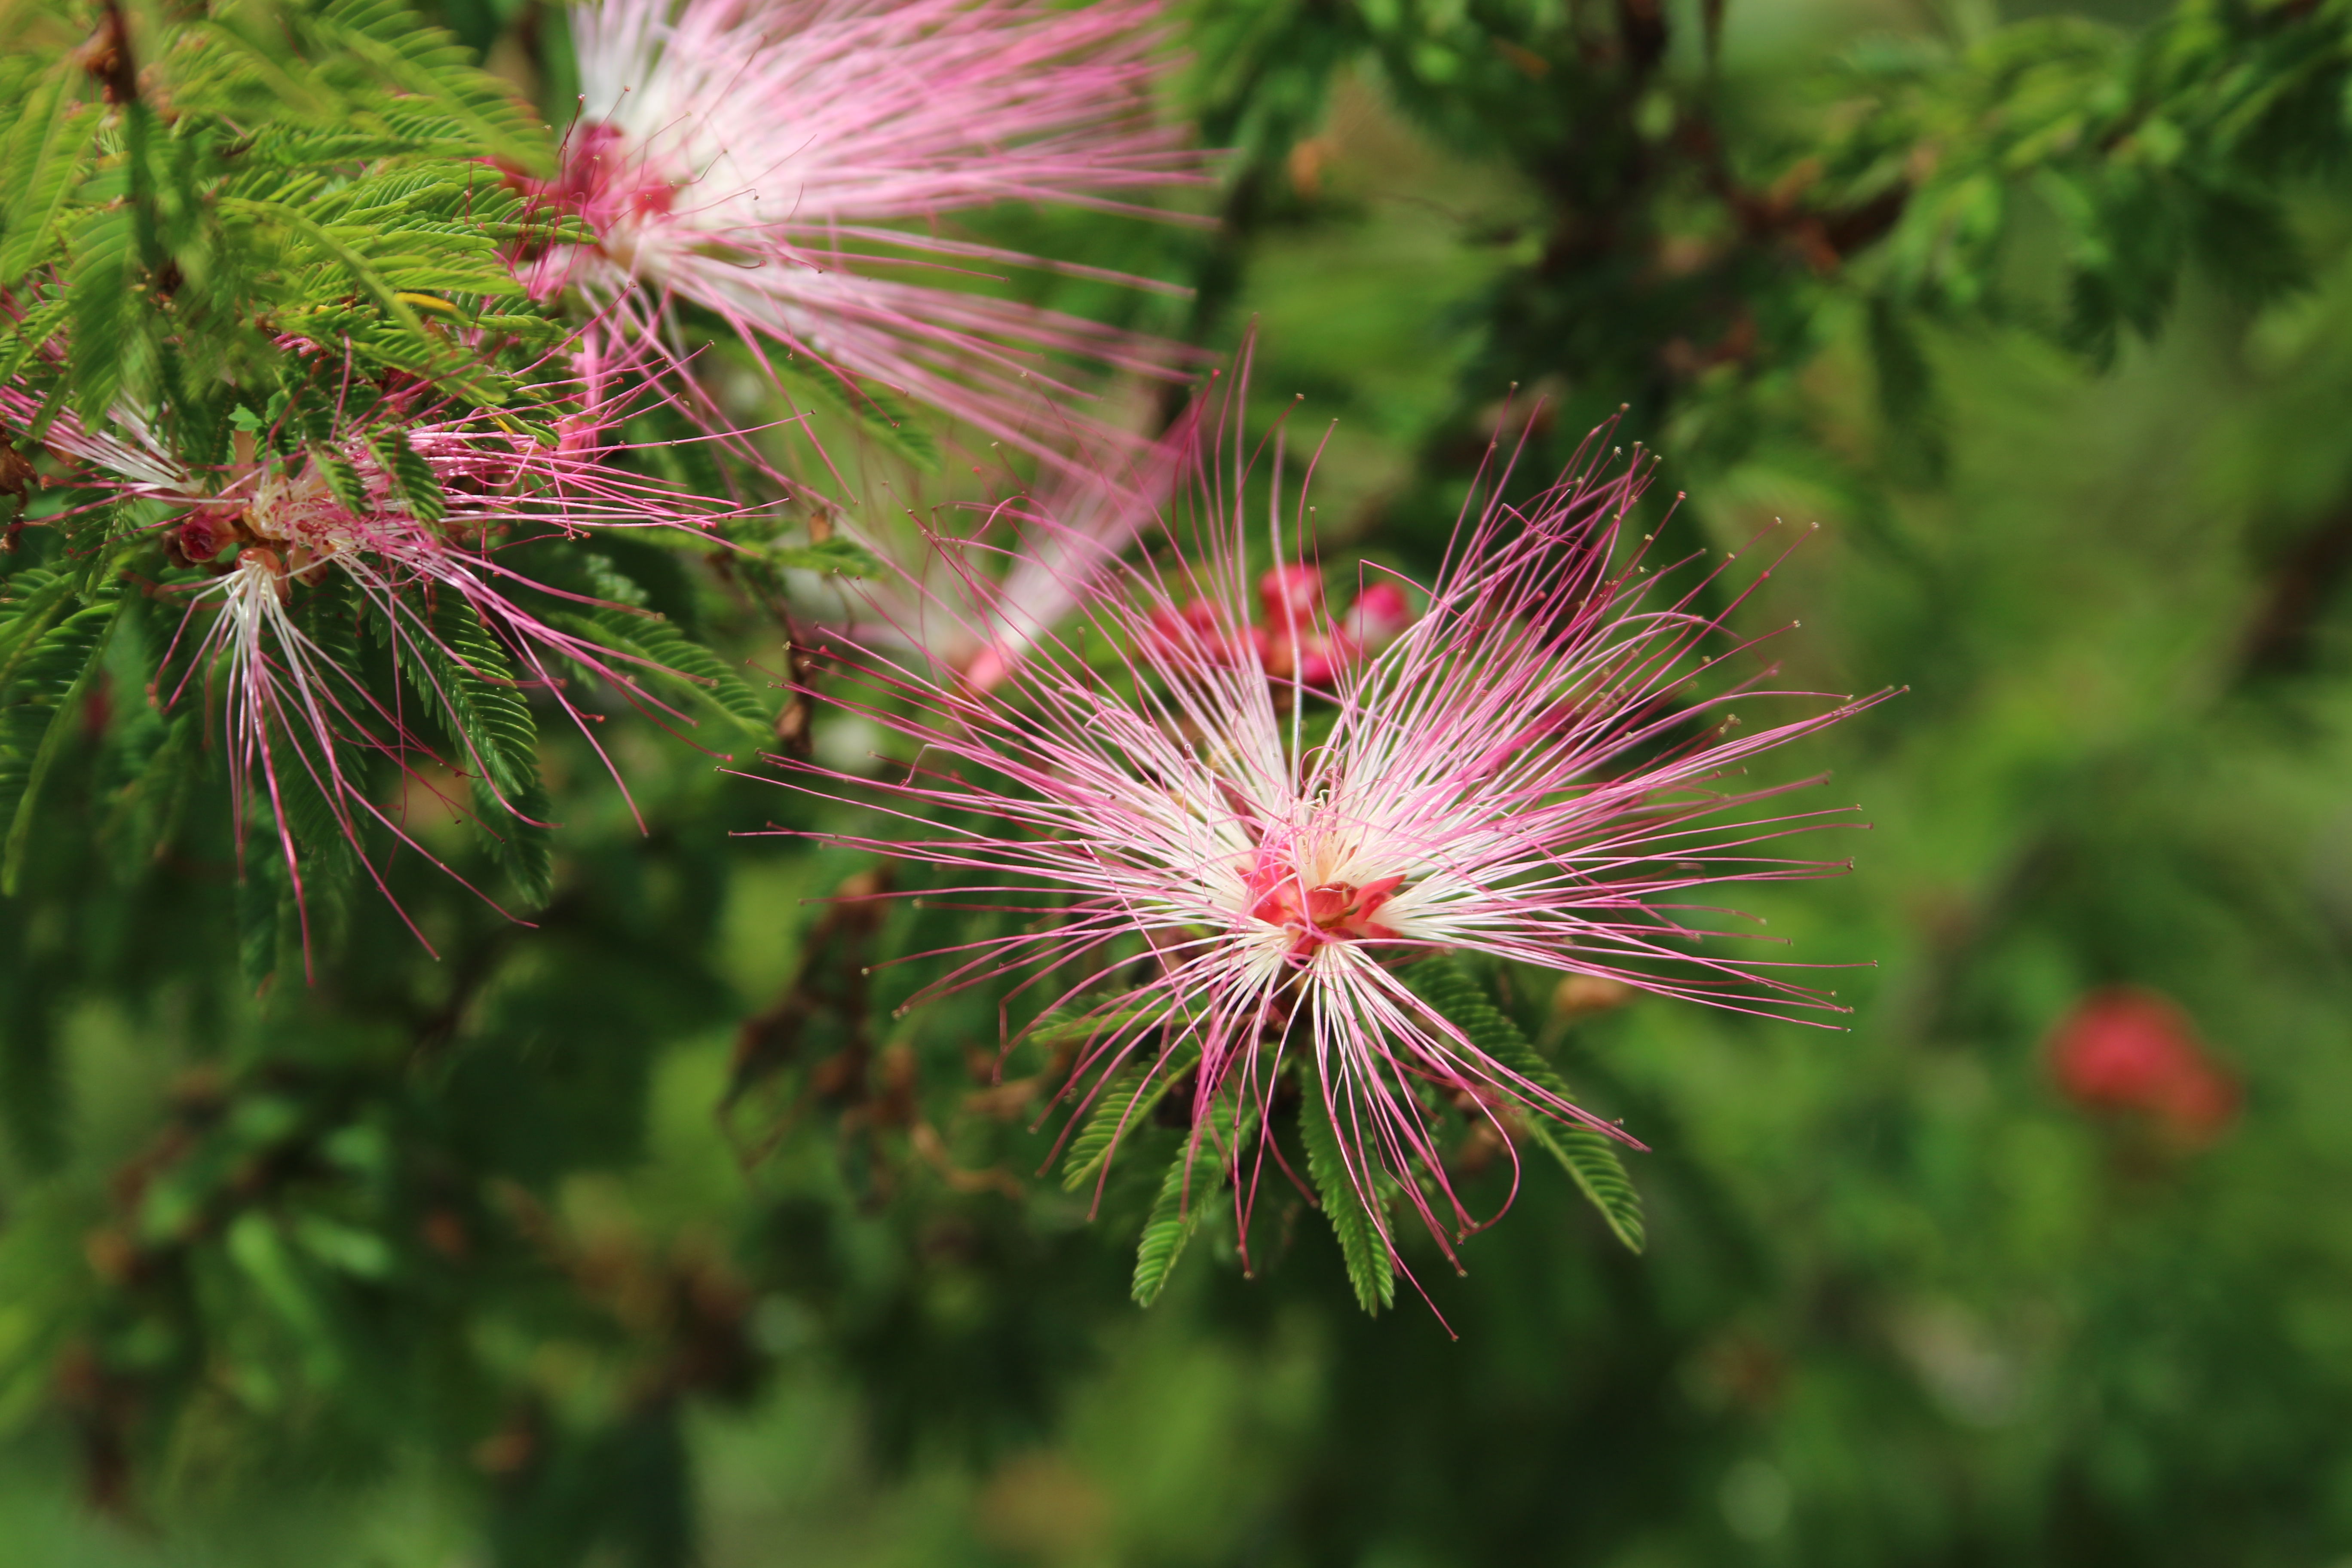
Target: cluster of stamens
<point>1294,638</point>
<point>1314,915</point>
<point>607,188</point>
<point>292,524</point>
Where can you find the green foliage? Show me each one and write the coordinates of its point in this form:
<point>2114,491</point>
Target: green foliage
<point>1174,1217</point>
<point>461,673</point>
<point>1124,1104</point>
<point>421,1253</point>
<point>1588,1157</point>
<point>412,477</point>
<point>1191,1185</point>
<point>50,654</point>
<point>876,417</point>
<point>44,156</point>
<point>2180,144</point>
<point>1348,1201</point>
<point>669,660</point>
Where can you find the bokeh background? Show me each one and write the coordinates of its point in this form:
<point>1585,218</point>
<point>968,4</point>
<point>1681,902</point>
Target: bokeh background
<point>2045,318</point>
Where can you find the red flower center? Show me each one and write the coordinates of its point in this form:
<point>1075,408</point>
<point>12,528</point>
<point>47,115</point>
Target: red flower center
<point>1323,913</point>
<point>606,184</point>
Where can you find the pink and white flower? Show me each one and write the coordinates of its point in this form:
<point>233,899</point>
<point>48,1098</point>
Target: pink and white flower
<point>1234,870</point>
<point>782,164</point>
<point>291,702</point>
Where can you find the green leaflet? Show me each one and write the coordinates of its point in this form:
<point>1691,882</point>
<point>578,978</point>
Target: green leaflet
<point>1587,1156</point>
<point>460,669</point>
<point>517,835</point>
<point>333,259</point>
<point>1363,1234</point>
<point>671,653</point>
<point>410,476</point>
<point>105,313</point>
<point>311,804</point>
<point>44,679</point>
<point>874,412</point>
<point>343,478</point>
<point>462,673</point>
<point>40,161</point>
<point>311,809</point>
<point>1061,1028</point>
<point>36,599</point>
<point>429,61</point>
<point>266,923</point>
<point>145,813</point>
<point>1176,1213</point>
<point>24,338</point>
<point>1165,1233</point>
<point>329,618</point>
<point>625,626</point>
<point>1117,1113</point>
<point>835,557</point>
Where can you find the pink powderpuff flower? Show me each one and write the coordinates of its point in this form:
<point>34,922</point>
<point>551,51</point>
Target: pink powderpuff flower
<point>2132,1050</point>
<point>782,164</point>
<point>289,701</point>
<point>1234,872</point>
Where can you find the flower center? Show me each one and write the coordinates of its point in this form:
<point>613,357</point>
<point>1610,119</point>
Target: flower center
<point>298,510</point>
<point>609,184</point>
<point>1319,912</point>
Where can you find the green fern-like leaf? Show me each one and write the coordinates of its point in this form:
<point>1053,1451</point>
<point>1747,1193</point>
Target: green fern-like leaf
<point>145,813</point>
<point>1589,1159</point>
<point>343,478</point>
<point>266,923</point>
<point>517,835</point>
<point>1165,1232</point>
<point>674,654</point>
<point>656,650</point>
<point>1118,1111</point>
<point>875,413</point>
<point>107,322</point>
<point>1191,1177</point>
<point>430,62</point>
<point>1363,1234</point>
<point>835,557</point>
<point>37,713</point>
<point>410,476</point>
<point>463,674</point>
<point>20,340</point>
<point>42,158</point>
<point>35,600</point>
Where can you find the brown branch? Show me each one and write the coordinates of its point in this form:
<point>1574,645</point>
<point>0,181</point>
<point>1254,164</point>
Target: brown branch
<point>2280,636</point>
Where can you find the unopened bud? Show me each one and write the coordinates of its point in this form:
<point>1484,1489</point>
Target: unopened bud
<point>1378,617</point>
<point>1290,592</point>
<point>1579,995</point>
<point>198,538</point>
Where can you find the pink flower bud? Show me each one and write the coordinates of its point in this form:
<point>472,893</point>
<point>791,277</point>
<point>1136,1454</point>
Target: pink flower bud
<point>2129,1050</point>
<point>1378,617</point>
<point>200,537</point>
<point>1291,593</point>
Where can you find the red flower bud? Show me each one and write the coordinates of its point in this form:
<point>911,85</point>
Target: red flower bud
<point>1290,594</point>
<point>1378,617</point>
<point>200,537</point>
<point>2125,1049</point>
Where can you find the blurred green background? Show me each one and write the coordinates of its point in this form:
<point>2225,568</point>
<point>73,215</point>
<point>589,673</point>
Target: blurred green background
<point>2082,463</point>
